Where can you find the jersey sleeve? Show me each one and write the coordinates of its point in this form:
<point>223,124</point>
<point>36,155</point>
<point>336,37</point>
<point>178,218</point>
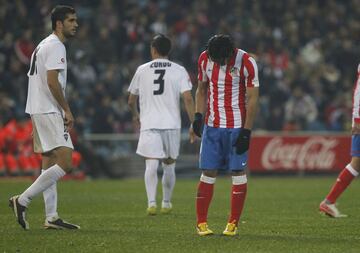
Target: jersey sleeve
<point>185,81</point>
<point>56,57</point>
<point>202,62</point>
<point>134,85</point>
<point>250,72</point>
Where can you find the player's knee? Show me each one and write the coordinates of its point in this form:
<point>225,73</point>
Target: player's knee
<point>356,167</point>
<point>64,158</point>
<point>48,159</point>
<point>66,166</point>
<point>169,170</point>
<point>168,161</point>
<point>150,173</point>
<point>209,173</point>
<point>238,173</point>
<point>355,163</point>
<point>151,166</point>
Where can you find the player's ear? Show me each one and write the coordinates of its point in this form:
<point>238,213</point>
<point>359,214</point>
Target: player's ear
<point>153,51</point>
<point>59,24</point>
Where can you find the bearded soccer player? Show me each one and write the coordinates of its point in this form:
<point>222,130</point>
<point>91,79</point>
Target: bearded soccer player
<point>228,81</point>
<point>158,85</point>
<point>328,205</point>
<point>51,118</point>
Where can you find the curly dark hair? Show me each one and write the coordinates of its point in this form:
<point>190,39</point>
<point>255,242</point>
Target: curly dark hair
<point>220,47</point>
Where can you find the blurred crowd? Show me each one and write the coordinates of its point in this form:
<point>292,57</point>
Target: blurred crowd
<point>307,53</point>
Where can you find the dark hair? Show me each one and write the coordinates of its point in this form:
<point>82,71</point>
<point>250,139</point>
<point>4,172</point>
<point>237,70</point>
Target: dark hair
<point>59,14</point>
<point>162,44</point>
<point>220,47</point>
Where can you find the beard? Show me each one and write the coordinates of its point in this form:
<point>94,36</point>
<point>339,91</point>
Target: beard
<point>69,34</point>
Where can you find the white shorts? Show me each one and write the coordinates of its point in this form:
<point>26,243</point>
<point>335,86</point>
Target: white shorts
<point>159,143</point>
<point>49,132</point>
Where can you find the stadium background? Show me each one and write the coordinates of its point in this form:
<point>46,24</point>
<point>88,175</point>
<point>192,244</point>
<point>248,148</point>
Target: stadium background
<point>307,53</point>
<point>311,46</point>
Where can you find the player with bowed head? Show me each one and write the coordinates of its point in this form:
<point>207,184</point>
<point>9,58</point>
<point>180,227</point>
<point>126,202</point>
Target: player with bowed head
<point>228,90</point>
<point>51,118</point>
<point>158,85</point>
<point>328,205</point>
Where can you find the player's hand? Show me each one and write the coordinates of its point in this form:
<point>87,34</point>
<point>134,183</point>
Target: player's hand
<point>68,120</point>
<point>355,129</point>
<point>192,135</point>
<point>243,141</point>
<point>198,124</point>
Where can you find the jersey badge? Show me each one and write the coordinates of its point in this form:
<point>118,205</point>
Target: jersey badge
<point>235,72</point>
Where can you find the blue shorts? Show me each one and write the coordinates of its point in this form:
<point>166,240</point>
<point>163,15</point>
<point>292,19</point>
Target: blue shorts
<point>355,145</point>
<point>217,150</point>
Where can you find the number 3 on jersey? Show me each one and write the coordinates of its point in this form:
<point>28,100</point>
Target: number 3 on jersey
<point>160,81</point>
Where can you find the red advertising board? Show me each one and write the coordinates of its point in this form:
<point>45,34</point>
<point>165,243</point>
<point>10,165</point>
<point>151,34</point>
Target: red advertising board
<point>299,153</point>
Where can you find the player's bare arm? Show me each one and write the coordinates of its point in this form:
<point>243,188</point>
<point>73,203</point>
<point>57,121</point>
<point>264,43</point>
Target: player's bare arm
<point>56,91</point>
<point>252,95</point>
<point>189,106</point>
<point>200,97</point>
<point>132,103</point>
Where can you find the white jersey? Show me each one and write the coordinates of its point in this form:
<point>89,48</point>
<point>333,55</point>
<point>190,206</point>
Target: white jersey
<point>50,54</point>
<point>159,84</point>
<point>356,99</point>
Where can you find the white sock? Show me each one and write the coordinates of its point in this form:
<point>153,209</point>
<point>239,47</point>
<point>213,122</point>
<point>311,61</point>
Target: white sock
<point>350,168</point>
<point>207,180</point>
<point>238,180</point>
<point>168,183</point>
<point>50,200</point>
<point>151,180</point>
<point>44,181</point>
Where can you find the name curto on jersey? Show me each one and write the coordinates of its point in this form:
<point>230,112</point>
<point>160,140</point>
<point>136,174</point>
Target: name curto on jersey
<point>160,64</point>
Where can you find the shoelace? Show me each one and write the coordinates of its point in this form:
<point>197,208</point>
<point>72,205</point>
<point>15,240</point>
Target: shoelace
<point>231,227</point>
<point>203,227</point>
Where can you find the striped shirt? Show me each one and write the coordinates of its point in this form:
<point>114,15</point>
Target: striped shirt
<point>356,99</point>
<point>226,104</point>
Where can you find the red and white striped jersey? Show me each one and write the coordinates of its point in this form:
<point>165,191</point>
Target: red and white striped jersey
<point>226,105</point>
<point>356,99</point>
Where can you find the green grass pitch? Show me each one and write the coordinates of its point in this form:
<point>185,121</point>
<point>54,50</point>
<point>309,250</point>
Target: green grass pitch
<point>280,215</point>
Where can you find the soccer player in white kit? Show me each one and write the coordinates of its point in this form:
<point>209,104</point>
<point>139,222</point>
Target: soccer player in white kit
<point>51,118</point>
<point>158,84</point>
<point>351,171</point>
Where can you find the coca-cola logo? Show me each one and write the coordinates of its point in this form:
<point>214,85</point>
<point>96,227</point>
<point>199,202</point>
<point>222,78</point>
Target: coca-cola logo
<point>314,153</point>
